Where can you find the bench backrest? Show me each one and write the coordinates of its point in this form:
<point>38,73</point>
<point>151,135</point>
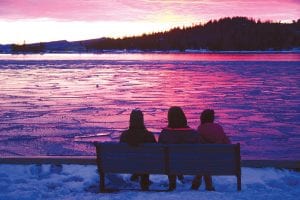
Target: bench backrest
<point>204,159</point>
<point>214,159</point>
<point>122,158</point>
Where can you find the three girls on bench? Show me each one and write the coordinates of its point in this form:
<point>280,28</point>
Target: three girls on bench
<point>177,132</point>
<point>135,135</point>
<point>210,133</point>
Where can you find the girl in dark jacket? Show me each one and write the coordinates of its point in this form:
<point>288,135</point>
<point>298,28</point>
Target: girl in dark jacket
<point>135,135</point>
<point>177,132</point>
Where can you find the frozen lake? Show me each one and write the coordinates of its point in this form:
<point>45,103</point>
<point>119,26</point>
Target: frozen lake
<point>57,104</point>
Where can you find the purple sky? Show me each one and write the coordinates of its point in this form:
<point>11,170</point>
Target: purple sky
<point>45,20</point>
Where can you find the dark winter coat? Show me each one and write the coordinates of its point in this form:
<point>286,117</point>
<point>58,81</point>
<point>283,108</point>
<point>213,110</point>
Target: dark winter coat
<point>178,136</point>
<point>137,136</point>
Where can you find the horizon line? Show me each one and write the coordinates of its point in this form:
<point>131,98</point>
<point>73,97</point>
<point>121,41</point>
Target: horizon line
<point>154,32</point>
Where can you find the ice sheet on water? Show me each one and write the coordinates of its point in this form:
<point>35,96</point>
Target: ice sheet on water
<point>256,101</point>
<point>87,109</point>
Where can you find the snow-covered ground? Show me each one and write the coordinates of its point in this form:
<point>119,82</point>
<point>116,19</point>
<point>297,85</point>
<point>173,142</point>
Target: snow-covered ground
<point>81,182</point>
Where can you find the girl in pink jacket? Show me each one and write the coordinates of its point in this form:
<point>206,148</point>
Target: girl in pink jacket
<point>210,133</point>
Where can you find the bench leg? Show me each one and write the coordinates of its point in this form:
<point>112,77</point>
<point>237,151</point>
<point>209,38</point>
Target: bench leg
<point>102,182</point>
<point>239,182</point>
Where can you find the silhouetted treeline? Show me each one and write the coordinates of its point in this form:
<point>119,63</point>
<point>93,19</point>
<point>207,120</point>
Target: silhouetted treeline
<point>237,33</point>
<point>28,48</point>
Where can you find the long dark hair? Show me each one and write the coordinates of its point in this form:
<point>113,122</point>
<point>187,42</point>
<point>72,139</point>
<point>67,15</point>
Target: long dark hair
<point>176,118</point>
<point>136,120</point>
<point>207,116</point>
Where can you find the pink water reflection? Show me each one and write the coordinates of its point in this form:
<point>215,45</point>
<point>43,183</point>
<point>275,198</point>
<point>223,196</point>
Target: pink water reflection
<point>58,107</point>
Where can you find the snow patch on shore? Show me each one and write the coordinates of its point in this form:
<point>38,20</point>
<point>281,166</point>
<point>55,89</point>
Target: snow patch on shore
<point>81,182</point>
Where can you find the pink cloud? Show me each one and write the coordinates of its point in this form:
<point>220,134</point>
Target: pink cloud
<point>145,10</point>
<point>47,20</point>
<point>64,9</point>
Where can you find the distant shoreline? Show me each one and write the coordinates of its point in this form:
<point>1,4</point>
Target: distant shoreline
<point>236,34</point>
<point>189,51</point>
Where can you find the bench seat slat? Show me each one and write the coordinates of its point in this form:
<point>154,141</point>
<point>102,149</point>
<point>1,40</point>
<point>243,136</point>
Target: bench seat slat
<point>202,148</point>
<point>132,157</point>
<point>201,156</point>
<point>196,163</point>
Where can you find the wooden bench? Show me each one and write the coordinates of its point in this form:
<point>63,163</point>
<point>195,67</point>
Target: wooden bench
<point>187,159</point>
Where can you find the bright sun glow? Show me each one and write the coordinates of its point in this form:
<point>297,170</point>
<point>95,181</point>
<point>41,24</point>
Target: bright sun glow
<point>49,30</point>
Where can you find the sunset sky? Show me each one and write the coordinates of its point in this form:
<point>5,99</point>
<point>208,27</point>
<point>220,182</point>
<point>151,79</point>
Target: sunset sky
<point>49,20</point>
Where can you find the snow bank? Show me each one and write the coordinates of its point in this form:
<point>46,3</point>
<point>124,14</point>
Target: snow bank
<point>81,182</point>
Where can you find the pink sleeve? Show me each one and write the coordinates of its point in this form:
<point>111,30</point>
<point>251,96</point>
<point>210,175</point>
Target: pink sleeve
<point>226,140</point>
